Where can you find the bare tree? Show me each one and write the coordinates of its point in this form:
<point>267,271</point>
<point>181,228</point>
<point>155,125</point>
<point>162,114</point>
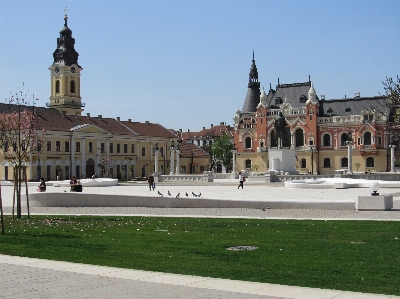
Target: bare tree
<point>20,137</point>
<point>391,98</point>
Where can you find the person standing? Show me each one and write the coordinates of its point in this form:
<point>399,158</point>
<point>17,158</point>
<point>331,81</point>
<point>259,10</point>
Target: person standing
<point>241,180</point>
<point>150,180</point>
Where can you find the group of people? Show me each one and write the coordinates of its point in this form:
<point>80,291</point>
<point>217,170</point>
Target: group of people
<point>73,183</point>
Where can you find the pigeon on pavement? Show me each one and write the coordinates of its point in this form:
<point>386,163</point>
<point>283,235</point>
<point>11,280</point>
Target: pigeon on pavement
<point>159,193</point>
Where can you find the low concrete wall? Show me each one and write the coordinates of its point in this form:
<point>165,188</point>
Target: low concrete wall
<point>68,199</point>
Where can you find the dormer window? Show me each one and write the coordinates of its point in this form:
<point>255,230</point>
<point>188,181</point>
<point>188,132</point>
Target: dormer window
<point>303,99</point>
<point>348,109</point>
<point>278,101</point>
<point>329,110</point>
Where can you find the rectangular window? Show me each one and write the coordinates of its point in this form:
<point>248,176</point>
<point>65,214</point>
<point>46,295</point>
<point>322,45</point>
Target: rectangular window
<point>77,146</point>
<point>48,148</point>
<point>90,147</point>
<point>111,147</point>
<point>379,140</point>
<point>58,146</point>
<point>143,151</point>
<point>38,146</point>
<point>66,145</point>
<point>125,148</point>
<point>132,149</point>
<point>118,148</point>
<point>162,151</point>
<point>102,147</point>
<point>48,170</point>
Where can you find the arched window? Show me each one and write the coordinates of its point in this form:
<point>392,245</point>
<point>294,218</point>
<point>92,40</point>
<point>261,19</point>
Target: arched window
<point>326,139</point>
<point>58,86</point>
<point>248,163</point>
<point>370,162</point>
<point>261,143</point>
<point>299,137</point>
<point>367,138</point>
<point>303,163</point>
<point>343,139</point>
<point>273,140</point>
<point>72,86</point>
<point>344,163</point>
<point>327,163</point>
<point>248,142</point>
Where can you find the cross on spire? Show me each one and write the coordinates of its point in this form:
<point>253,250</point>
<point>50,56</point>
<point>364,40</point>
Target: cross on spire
<point>65,10</point>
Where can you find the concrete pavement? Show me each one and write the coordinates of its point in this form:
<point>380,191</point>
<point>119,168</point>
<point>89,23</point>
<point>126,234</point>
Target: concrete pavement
<point>22,277</point>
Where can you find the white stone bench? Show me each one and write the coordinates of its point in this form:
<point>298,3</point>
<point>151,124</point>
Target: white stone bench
<point>376,203</point>
<point>340,185</point>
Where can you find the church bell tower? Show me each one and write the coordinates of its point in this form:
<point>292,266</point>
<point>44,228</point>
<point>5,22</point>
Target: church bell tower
<point>66,75</point>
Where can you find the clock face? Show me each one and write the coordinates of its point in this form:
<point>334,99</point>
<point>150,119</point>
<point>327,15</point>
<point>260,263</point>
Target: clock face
<point>72,70</point>
<point>57,69</point>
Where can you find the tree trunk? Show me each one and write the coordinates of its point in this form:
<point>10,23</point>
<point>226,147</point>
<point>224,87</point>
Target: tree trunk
<point>26,190</point>
<point>1,210</point>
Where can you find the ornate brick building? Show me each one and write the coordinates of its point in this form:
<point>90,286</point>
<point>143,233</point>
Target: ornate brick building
<point>316,128</point>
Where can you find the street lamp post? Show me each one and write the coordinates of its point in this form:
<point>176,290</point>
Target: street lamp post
<point>177,159</point>
<point>234,152</point>
<point>392,147</point>
<point>172,154</point>
<point>312,148</point>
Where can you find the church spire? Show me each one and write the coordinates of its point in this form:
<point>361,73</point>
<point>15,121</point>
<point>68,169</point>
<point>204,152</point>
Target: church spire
<point>253,90</point>
<point>65,53</point>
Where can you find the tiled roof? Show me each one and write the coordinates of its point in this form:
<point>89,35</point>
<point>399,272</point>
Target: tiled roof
<point>52,120</point>
<point>149,129</point>
<point>188,148</point>
<point>59,122</point>
<point>215,131</point>
<point>292,93</point>
<point>350,106</point>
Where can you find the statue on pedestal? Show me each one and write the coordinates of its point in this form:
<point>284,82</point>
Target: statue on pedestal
<point>280,127</point>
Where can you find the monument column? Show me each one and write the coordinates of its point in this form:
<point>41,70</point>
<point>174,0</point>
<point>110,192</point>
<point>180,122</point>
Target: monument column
<point>350,156</point>
<point>172,154</point>
<point>73,149</point>
<point>234,152</point>
<point>156,150</point>
<point>392,147</point>
<point>177,161</point>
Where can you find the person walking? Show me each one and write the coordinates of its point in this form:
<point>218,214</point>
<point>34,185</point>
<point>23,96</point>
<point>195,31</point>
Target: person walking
<point>241,180</point>
<point>150,180</point>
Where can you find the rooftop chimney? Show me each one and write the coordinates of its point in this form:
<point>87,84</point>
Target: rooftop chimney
<point>118,118</point>
<point>221,123</point>
<point>357,94</point>
<point>212,125</point>
<point>129,120</point>
<point>88,114</point>
<point>146,121</point>
<point>322,97</point>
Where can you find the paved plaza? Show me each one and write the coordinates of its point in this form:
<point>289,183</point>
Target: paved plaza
<point>34,278</point>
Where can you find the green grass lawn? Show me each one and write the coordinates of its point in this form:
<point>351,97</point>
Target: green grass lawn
<point>362,256</point>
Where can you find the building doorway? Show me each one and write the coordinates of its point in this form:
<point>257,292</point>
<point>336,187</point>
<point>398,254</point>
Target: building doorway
<point>89,168</point>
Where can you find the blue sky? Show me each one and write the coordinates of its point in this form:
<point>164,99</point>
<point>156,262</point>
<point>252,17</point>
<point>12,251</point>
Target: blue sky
<point>185,64</point>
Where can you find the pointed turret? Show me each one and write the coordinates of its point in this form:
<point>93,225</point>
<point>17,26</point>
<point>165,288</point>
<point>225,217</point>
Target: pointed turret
<point>253,91</point>
<point>312,96</point>
<point>263,98</point>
